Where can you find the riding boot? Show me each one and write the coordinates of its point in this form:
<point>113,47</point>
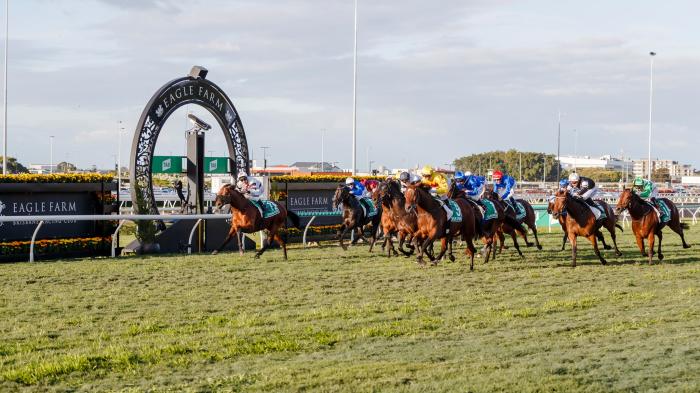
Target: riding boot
<point>589,202</point>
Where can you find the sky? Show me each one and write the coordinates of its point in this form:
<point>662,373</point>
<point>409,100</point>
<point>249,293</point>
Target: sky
<point>437,80</point>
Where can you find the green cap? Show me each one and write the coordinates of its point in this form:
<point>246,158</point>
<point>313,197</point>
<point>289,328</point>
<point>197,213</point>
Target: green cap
<point>638,181</point>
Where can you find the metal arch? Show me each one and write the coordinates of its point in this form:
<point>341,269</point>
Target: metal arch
<point>170,97</point>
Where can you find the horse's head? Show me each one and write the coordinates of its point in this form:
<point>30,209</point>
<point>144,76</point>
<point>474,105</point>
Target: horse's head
<point>227,195</point>
<point>550,204</point>
<point>411,196</point>
<point>558,205</point>
<point>624,201</point>
<point>342,193</point>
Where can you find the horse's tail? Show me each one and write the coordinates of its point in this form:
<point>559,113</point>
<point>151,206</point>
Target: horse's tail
<point>513,223</point>
<point>294,218</point>
<point>618,226</point>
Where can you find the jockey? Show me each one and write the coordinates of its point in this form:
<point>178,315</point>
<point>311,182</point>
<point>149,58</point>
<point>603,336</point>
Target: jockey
<point>584,188</point>
<point>504,186</point>
<point>646,189</point>
<point>252,189</point>
<point>371,185</point>
<point>435,180</point>
<point>564,184</point>
<point>474,186</point>
<point>356,188</point>
<point>415,180</point>
<point>460,180</point>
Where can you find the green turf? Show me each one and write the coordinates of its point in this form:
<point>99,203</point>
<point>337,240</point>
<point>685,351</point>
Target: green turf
<point>329,320</point>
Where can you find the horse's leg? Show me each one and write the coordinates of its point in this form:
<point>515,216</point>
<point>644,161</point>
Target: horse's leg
<point>599,235</point>
<point>282,243</point>
<point>470,251</point>
<point>678,228</point>
<point>226,240</point>
<point>239,237</point>
<point>444,245</point>
<point>341,233</point>
<point>574,247</point>
<point>563,240</point>
<point>502,239</point>
<point>661,236</point>
<point>640,243</point>
<point>515,243</point>
<point>594,242</point>
<point>266,243</point>
<point>651,239</point>
<point>533,227</point>
<point>613,235</point>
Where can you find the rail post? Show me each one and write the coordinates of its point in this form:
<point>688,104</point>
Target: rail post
<point>114,238</point>
<point>31,245</point>
<point>189,241</point>
<point>306,229</point>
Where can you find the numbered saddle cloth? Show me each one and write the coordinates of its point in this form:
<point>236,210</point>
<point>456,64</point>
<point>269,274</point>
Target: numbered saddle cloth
<point>599,211</point>
<point>267,208</point>
<point>489,210</point>
<point>664,211</point>
<point>456,211</point>
<point>520,211</point>
<point>368,207</point>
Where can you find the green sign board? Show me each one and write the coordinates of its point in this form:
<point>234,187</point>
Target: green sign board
<point>167,164</point>
<point>174,164</point>
<point>216,165</point>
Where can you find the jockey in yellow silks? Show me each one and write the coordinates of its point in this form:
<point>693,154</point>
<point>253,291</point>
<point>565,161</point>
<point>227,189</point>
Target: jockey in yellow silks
<point>435,180</point>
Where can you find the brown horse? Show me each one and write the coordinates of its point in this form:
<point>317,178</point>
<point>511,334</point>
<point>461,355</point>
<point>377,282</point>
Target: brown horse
<point>511,226</point>
<point>395,219</point>
<point>354,217</point>
<point>610,223</point>
<point>529,220</point>
<point>246,218</point>
<point>433,225</point>
<point>487,230</point>
<point>579,221</point>
<point>645,222</point>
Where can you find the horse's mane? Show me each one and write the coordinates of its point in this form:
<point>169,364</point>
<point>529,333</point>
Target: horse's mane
<point>424,187</point>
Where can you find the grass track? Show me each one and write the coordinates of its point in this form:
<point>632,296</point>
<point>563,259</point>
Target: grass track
<point>329,320</point>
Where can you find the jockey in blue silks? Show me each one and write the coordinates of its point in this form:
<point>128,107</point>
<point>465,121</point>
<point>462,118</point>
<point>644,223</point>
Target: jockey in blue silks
<point>504,186</point>
<point>563,184</point>
<point>356,188</point>
<point>474,187</point>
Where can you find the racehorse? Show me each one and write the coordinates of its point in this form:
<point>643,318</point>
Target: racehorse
<point>579,221</point>
<point>486,230</point>
<point>246,218</point>
<point>645,222</point>
<point>395,219</point>
<point>610,223</point>
<point>433,224</point>
<point>510,226</point>
<point>354,217</point>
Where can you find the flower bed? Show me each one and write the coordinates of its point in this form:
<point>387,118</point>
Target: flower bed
<point>56,246</point>
<point>320,178</point>
<point>57,178</point>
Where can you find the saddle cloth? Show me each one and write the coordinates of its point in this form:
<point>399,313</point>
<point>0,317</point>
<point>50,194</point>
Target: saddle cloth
<point>266,208</point>
<point>490,210</point>
<point>456,211</point>
<point>662,211</point>
<point>368,207</point>
<point>598,212</point>
<point>520,211</point>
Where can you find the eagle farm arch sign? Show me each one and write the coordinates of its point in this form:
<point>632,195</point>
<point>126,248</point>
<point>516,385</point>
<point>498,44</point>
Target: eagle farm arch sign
<point>192,89</point>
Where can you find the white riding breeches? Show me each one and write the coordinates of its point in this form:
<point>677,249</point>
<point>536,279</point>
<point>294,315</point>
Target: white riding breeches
<point>592,193</point>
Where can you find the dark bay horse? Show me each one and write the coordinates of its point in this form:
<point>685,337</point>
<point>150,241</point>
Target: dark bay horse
<point>246,218</point>
<point>486,230</point>
<point>354,218</point>
<point>579,221</point>
<point>610,223</point>
<point>511,226</point>
<point>395,219</point>
<point>645,222</point>
<point>433,224</point>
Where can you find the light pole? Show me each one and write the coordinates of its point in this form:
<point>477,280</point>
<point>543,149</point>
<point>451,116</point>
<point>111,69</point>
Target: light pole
<point>559,147</point>
<point>323,166</point>
<point>51,155</point>
<point>264,149</point>
<point>4,133</point>
<point>120,128</point>
<point>651,95</point>
<point>354,99</point>
<point>575,150</point>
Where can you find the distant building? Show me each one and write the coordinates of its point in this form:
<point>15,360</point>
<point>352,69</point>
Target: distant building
<point>41,169</point>
<point>675,170</point>
<point>315,166</point>
<point>604,162</point>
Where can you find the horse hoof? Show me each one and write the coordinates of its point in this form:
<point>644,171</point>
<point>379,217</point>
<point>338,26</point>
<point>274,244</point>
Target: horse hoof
<point>686,246</point>
<point>530,244</point>
<point>661,257</point>
<point>607,247</point>
<point>452,258</point>
<point>618,253</point>
<point>539,247</point>
<point>256,256</point>
<point>214,252</point>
